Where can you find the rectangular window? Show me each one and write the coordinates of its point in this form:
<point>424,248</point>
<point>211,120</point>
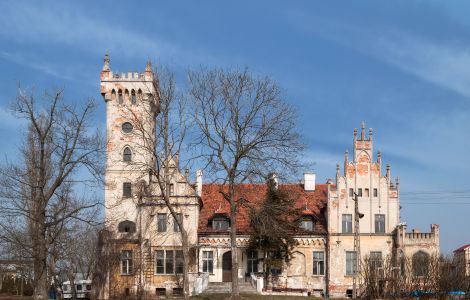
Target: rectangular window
<point>347,223</point>
<point>169,262</point>
<point>351,262</point>
<point>375,192</point>
<point>172,189</point>
<point>220,224</point>
<point>375,259</point>
<point>306,224</point>
<point>366,192</point>
<point>318,263</point>
<point>161,222</point>
<point>379,223</point>
<point>252,266</point>
<point>351,192</point>
<point>179,217</point>
<point>127,189</point>
<point>207,261</point>
<point>126,262</point>
<point>160,262</point>
<point>359,192</point>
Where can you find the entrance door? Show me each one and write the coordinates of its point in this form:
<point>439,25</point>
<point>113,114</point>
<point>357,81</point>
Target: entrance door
<point>227,267</point>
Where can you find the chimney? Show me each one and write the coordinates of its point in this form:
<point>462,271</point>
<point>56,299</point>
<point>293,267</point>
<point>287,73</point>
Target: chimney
<point>275,179</point>
<point>199,183</point>
<point>309,182</point>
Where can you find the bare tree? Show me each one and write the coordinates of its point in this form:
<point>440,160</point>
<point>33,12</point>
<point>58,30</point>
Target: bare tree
<point>164,143</point>
<point>36,188</point>
<point>245,130</point>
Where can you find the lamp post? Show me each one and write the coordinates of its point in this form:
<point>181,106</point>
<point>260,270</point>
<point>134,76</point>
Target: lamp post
<point>357,244</point>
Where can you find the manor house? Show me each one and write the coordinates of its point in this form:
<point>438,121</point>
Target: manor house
<point>147,243</point>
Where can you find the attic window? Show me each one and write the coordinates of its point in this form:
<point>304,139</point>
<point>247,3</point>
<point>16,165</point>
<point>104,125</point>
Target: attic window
<point>306,223</point>
<point>220,223</point>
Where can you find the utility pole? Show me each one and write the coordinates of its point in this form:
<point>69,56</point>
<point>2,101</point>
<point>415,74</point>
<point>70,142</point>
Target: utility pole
<point>357,243</point>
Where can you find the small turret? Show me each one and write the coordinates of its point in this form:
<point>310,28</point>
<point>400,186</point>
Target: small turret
<point>106,62</point>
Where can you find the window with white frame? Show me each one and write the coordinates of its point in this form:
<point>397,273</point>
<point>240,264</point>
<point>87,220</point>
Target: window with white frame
<point>220,223</point>
<point>126,262</point>
<point>379,223</point>
<point>351,262</point>
<point>318,263</point>
<point>347,223</point>
<point>306,223</point>
<point>208,261</point>
<point>169,262</point>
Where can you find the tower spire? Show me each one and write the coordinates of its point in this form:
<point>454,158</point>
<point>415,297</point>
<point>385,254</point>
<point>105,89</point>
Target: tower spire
<point>106,61</point>
<point>363,130</point>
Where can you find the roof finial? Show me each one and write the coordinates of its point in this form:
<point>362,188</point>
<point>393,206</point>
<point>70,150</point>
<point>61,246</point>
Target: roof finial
<point>371,133</point>
<point>355,133</point>
<point>106,61</point>
<point>363,130</point>
<point>148,67</point>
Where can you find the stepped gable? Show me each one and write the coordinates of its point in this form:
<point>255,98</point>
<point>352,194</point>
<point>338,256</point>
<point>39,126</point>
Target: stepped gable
<point>213,204</point>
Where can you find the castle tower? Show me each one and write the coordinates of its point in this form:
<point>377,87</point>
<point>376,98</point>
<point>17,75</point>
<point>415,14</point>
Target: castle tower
<point>131,107</point>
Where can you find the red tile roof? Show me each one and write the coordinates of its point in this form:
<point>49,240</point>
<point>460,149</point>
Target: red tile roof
<point>312,202</point>
<point>461,249</point>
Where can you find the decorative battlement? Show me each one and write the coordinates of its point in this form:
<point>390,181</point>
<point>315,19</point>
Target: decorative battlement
<point>416,236</point>
<point>108,75</point>
<point>419,235</point>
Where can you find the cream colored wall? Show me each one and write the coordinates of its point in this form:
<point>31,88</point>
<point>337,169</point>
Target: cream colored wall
<point>141,116</point>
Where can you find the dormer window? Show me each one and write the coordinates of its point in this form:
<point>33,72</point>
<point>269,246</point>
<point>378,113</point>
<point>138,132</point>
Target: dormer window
<point>306,223</point>
<point>220,223</point>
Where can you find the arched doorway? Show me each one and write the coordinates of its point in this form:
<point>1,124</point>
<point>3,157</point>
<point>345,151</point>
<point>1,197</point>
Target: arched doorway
<point>227,267</point>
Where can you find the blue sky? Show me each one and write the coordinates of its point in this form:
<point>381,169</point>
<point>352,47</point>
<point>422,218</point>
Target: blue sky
<point>403,67</point>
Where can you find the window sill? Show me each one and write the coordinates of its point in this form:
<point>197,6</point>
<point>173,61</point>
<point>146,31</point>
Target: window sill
<point>127,274</point>
<point>315,275</point>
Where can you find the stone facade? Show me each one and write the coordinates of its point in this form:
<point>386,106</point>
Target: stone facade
<point>147,245</point>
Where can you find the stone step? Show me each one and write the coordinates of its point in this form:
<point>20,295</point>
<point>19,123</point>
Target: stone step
<point>226,288</point>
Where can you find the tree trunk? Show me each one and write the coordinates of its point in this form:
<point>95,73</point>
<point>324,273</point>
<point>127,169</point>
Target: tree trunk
<point>40,259</point>
<point>185,245</point>
<point>233,245</point>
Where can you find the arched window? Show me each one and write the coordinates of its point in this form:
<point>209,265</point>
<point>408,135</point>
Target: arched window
<point>420,262</point>
<point>139,94</point>
<point>120,100</point>
<point>113,95</point>
<point>126,226</point>
<point>127,154</point>
<point>133,98</point>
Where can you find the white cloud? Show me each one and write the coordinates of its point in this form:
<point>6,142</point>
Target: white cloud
<point>58,25</point>
<point>444,63</point>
